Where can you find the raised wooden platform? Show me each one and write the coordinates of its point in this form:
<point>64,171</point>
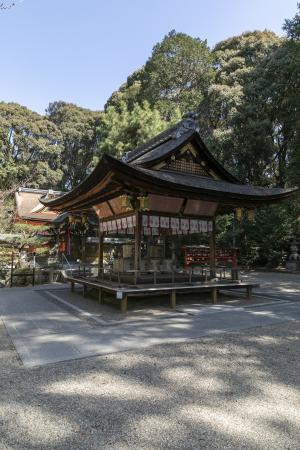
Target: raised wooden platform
<point>123,291</point>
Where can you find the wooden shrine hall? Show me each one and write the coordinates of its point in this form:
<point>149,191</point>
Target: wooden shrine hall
<point>161,201</point>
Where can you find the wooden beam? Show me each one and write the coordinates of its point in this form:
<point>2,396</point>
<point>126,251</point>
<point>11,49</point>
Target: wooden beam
<point>214,295</point>
<point>249,292</point>
<point>137,242</point>
<point>173,299</point>
<point>212,251</point>
<point>100,252</point>
<point>124,302</point>
<point>85,290</point>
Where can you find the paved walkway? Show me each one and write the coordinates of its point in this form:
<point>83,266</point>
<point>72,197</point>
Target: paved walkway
<point>275,284</point>
<point>44,333</point>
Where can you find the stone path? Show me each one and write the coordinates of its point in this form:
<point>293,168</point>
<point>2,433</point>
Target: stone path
<point>43,332</point>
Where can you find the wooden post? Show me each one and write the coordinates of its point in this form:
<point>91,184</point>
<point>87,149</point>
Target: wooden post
<point>12,268</point>
<point>100,253</point>
<point>100,296</point>
<point>137,244</point>
<point>214,295</point>
<point>72,286</point>
<point>173,299</point>
<point>249,292</point>
<point>212,251</point>
<point>85,290</point>
<point>124,303</point>
<point>83,242</point>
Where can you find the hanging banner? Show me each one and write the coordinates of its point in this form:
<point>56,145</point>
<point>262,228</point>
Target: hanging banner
<point>184,224</point>
<point>147,231</point>
<point>165,222</point>
<point>161,224</point>
<point>145,221</point>
<point>175,223</point>
<point>194,228</point>
<point>154,221</point>
<point>130,222</point>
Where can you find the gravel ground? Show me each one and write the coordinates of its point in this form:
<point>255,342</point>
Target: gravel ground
<point>233,391</point>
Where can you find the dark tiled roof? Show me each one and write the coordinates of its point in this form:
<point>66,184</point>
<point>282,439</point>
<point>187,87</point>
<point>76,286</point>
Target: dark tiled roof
<point>209,184</point>
<point>162,149</point>
<point>161,138</point>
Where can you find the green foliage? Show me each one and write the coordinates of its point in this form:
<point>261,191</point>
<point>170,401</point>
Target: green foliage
<point>230,111</point>
<point>29,148</point>
<point>175,76</point>
<point>122,130</point>
<point>79,129</point>
<point>292,26</point>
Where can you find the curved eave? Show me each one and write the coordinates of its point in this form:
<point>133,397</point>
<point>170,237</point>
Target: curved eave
<point>101,184</point>
<point>158,178</point>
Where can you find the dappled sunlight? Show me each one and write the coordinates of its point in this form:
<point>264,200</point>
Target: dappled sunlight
<point>189,377</point>
<point>120,387</point>
<point>230,391</point>
<point>33,422</point>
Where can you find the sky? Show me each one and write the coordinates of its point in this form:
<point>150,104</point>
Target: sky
<point>80,51</point>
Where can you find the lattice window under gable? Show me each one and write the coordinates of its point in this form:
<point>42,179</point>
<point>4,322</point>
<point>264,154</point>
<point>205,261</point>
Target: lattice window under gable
<point>186,163</point>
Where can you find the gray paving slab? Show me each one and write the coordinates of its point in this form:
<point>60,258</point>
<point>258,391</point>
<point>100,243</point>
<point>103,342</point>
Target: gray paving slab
<point>275,284</point>
<point>44,333</point>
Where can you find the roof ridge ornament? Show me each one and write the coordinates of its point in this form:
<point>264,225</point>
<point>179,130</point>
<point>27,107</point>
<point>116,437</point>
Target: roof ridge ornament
<point>188,123</point>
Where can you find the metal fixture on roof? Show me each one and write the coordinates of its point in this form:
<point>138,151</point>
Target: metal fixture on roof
<point>188,123</point>
<point>125,157</point>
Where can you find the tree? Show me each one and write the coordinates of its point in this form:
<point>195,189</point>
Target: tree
<point>175,76</point>
<point>79,128</point>
<point>123,130</point>
<point>230,110</point>
<point>29,148</point>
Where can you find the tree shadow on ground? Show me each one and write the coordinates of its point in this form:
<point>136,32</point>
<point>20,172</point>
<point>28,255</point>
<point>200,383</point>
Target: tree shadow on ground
<point>235,390</point>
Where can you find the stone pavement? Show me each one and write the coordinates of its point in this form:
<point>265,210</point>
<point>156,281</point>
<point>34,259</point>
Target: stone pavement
<point>43,332</point>
<point>275,284</point>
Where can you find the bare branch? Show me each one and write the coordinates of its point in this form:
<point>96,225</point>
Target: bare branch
<point>4,5</point>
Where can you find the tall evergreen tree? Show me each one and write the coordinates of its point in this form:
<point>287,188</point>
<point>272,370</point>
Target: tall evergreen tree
<point>176,75</point>
<point>79,128</point>
<point>122,130</point>
<point>29,148</point>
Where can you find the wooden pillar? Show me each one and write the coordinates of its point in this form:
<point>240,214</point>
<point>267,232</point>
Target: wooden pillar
<point>212,251</point>
<point>214,295</point>
<point>83,246</point>
<point>124,303</point>
<point>173,299</point>
<point>100,295</point>
<point>100,252</point>
<point>249,292</point>
<point>137,243</point>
